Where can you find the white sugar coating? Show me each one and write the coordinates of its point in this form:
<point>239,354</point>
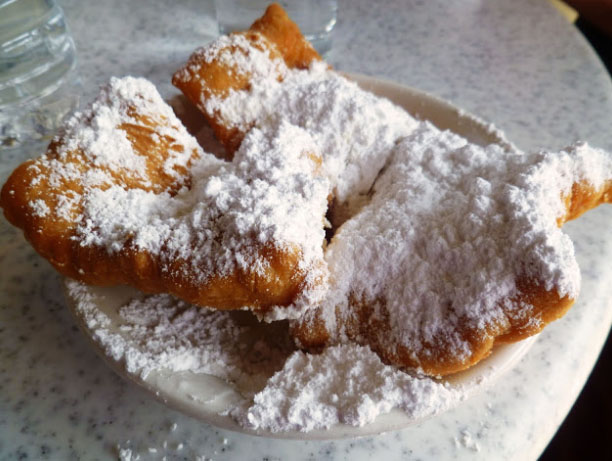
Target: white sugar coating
<point>446,230</point>
<point>354,129</point>
<point>40,208</point>
<point>283,389</point>
<point>95,133</point>
<point>345,384</point>
<point>270,196</point>
<point>449,231</point>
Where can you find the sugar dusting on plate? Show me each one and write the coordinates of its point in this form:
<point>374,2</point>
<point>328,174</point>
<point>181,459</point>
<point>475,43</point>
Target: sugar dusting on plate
<point>282,389</point>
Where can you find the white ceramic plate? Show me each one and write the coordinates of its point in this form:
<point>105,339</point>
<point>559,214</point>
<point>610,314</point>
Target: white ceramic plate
<point>204,396</point>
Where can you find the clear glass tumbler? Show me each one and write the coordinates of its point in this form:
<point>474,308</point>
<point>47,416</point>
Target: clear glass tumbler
<point>316,18</point>
<point>38,78</point>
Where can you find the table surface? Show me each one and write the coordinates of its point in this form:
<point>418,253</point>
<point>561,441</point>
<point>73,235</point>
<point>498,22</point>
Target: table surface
<point>517,64</point>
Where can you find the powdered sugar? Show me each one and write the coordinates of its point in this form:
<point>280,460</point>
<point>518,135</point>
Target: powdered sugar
<point>40,208</point>
<point>95,132</point>
<point>458,197</point>
<point>438,221</point>
<point>160,332</point>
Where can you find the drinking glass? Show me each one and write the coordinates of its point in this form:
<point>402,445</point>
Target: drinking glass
<point>316,18</point>
<point>38,78</point>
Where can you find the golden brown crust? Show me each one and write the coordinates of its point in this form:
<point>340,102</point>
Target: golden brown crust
<point>279,29</point>
<point>200,79</point>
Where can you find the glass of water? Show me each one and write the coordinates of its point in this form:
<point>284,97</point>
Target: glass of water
<point>316,18</point>
<point>38,78</point>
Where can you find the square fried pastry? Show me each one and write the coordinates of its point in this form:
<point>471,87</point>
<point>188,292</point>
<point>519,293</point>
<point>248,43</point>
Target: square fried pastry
<point>459,248</point>
<point>124,195</point>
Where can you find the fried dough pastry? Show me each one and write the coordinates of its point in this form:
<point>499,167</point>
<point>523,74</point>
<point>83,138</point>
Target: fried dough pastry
<point>270,73</point>
<point>126,196</point>
<point>460,248</point>
<point>271,46</point>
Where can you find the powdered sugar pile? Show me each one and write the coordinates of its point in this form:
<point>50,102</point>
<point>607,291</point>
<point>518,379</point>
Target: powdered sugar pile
<point>354,130</point>
<point>425,247</point>
<point>451,229</point>
<point>283,389</point>
<point>345,384</point>
<point>428,255</point>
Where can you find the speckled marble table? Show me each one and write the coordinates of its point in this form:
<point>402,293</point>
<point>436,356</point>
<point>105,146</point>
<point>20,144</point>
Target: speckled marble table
<point>517,64</point>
